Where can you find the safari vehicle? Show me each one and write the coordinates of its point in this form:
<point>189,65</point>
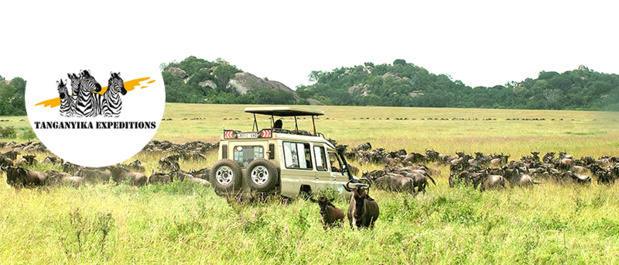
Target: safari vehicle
<point>277,161</point>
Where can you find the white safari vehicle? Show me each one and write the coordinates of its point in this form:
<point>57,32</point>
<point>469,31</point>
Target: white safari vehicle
<point>278,161</point>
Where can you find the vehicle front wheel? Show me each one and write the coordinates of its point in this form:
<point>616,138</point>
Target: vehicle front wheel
<point>261,175</point>
<point>226,176</point>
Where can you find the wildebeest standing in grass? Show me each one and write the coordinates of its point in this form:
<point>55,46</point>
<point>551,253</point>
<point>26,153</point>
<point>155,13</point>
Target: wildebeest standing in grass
<point>159,178</point>
<point>330,214</point>
<point>487,181</point>
<point>120,174</point>
<point>420,181</point>
<point>94,175</point>
<point>395,182</point>
<point>363,210</point>
<point>20,177</point>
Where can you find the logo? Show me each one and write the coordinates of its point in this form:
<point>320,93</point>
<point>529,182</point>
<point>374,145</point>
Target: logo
<point>85,120</point>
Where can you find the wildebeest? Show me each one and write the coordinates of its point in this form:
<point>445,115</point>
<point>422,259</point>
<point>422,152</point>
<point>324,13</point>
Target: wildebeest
<point>29,159</point>
<point>94,175</point>
<point>420,181</point>
<point>120,174</point>
<point>487,181</point>
<point>157,178</point>
<point>20,177</point>
<point>136,166</point>
<point>363,210</point>
<point>74,181</point>
<point>395,182</point>
<point>169,163</point>
<point>51,160</point>
<point>330,214</point>
<point>11,154</point>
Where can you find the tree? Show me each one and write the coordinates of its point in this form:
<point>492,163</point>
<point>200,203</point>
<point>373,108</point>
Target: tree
<point>399,62</point>
<point>223,73</point>
<point>20,85</point>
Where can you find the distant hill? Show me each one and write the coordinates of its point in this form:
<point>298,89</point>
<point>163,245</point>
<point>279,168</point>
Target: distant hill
<point>199,81</point>
<point>405,84</point>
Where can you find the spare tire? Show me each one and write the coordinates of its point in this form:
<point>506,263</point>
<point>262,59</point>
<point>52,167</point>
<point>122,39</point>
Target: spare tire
<point>226,176</point>
<point>261,175</point>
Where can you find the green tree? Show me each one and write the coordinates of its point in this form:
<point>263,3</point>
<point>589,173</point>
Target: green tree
<point>20,85</point>
<point>223,73</point>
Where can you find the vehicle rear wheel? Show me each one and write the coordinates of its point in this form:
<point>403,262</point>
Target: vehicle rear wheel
<point>226,175</point>
<point>261,175</point>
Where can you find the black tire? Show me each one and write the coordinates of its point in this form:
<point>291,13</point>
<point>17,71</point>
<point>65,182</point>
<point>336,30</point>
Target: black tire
<point>261,175</point>
<point>226,175</point>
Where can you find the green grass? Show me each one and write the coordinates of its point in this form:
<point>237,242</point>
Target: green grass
<point>185,224</point>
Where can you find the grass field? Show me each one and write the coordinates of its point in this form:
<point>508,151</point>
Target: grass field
<point>186,224</point>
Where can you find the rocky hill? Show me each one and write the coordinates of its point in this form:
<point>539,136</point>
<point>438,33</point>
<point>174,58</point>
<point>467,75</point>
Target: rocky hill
<point>199,81</point>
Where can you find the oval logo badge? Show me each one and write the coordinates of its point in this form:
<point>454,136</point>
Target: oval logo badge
<point>96,116</point>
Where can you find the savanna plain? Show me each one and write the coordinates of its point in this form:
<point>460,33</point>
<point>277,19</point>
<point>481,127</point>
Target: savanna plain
<point>182,223</point>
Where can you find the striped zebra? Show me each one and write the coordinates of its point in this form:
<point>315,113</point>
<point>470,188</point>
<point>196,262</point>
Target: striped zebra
<point>87,103</point>
<point>66,102</point>
<point>112,103</point>
<point>75,86</point>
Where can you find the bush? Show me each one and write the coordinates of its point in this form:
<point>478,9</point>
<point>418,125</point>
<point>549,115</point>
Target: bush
<point>28,134</point>
<point>8,132</point>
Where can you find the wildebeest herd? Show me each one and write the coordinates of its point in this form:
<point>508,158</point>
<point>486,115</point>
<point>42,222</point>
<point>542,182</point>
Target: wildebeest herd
<point>402,172</point>
<point>168,168</point>
<point>408,172</point>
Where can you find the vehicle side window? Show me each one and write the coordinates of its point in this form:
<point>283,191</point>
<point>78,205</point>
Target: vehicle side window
<point>334,162</point>
<point>297,155</point>
<point>245,154</point>
<point>319,152</point>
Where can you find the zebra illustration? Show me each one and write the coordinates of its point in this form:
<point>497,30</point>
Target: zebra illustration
<point>75,86</point>
<point>66,101</point>
<point>87,103</point>
<point>112,103</point>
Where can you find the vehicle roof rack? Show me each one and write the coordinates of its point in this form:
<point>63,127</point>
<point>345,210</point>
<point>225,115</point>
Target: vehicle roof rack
<point>284,111</point>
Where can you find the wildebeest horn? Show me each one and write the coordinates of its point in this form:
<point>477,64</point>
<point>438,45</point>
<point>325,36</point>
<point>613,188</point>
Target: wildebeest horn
<point>346,186</point>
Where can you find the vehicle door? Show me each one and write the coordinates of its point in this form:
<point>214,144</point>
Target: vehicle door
<point>335,170</point>
<point>324,179</point>
<point>298,166</point>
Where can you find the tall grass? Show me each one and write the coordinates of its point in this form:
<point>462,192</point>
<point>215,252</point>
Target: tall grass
<point>181,223</point>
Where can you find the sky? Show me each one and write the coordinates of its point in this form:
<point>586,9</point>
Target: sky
<point>481,43</point>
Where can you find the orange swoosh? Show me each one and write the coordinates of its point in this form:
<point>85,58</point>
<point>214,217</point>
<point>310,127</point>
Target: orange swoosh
<point>129,85</point>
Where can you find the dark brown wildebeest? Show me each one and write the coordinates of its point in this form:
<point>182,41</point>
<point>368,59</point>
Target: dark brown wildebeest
<point>181,175</point>
<point>487,182</point>
<point>20,177</point>
<point>159,178</point>
<point>464,177</point>
<point>420,181</point>
<point>395,182</point>
<point>363,210</point>
<point>569,176</point>
<point>30,159</point>
<point>169,163</point>
<point>11,154</point>
<point>136,166</point>
<point>374,174</point>
<point>202,173</point>
<point>120,174</point>
<point>548,157</point>
<point>52,160</point>
<point>94,175</point>
<point>362,147</point>
<point>5,162</point>
<point>70,168</point>
<point>330,214</point>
